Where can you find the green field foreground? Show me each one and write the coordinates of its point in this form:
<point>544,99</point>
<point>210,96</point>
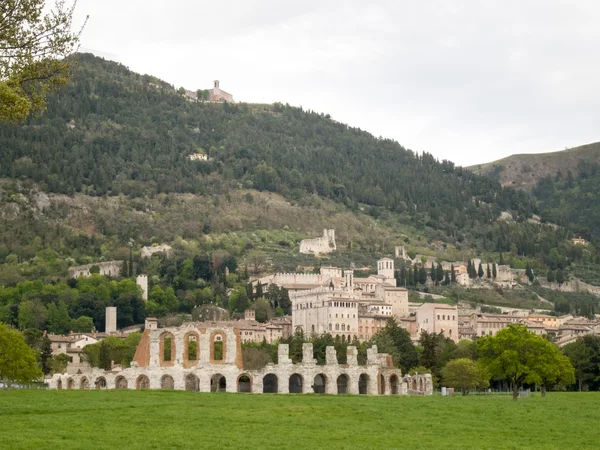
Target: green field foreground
<point>171,419</point>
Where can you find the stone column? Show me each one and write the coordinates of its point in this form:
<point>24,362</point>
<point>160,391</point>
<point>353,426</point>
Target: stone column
<point>352,356</point>
<point>283,355</point>
<point>307,354</point>
<point>330,356</point>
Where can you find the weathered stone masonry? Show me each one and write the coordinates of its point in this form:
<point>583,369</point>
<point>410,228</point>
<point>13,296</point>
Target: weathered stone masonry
<point>218,367</point>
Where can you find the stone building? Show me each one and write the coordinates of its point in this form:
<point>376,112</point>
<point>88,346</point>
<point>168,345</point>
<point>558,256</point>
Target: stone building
<point>207,357</point>
<point>438,318</point>
<point>324,244</point>
<point>150,250</point>
<point>218,95</point>
<point>349,307</point>
<point>108,268</point>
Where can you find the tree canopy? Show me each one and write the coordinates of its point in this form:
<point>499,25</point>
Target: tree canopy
<point>519,356</point>
<point>34,48</point>
<point>18,361</point>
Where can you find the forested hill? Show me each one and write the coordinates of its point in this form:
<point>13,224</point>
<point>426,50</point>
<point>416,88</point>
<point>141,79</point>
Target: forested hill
<point>112,131</point>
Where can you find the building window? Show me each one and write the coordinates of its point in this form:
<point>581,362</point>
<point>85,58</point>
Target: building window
<point>329,327</point>
<point>438,317</point>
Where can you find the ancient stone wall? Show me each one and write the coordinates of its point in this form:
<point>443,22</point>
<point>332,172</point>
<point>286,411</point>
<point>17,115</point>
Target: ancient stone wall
<point>324,244</point>
<point>108,268</point>
<point>209,374</point>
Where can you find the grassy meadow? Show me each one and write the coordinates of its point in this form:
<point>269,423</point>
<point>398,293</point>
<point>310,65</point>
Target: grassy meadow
<point>171,419</point>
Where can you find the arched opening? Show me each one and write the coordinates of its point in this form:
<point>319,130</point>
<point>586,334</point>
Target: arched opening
<point>343,338</point>
<point>320,384</point>
<point>142,382</point>
<point>70,383</point>
<point>414,384</point>
<point>342,384</point>
<point>192,383</point>
<point>100,383</point>
<point>363,384</point>
<point>191,350</point>
<point>270,384</point>
<point>381,385</point>
<point>167,382</point>
<point>84,383</point>
<point>59,384</point>
<point>295,384</point>
<point>217,348</point>
<point>244,384</point>
<point>394,384</point>
<point>120,383</point>
<point>421,385</point>
<point>218,383</point>
<point>167,349</point>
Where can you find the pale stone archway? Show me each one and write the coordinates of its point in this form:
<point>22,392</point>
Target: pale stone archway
<point>342,384</point>
<point>295,384</point>
<point>167,382</point>
<point>320,384</point>
<point>192,383</point>
<point>142,382</point>
<point>270,384</point>
<point>244,383</point>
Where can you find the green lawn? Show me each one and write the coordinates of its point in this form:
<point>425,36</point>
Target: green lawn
<point>169,419</point>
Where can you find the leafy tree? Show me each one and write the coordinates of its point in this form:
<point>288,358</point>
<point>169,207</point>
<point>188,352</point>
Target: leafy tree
<point>238,300</point>
<point>529,273</point>
<point>35,46</point>
<point>465,375</point>
<point>396,341</point>
<point>32,314</point>
<point>46,355</point>
<point>18,361</point>
<point>59,363</point>
<point>104,361</point>
<point>560,277</point>
<point>59,321</point>
<point>517,356</point>
<point>554,368</point>
<point>584,356</point>
<point>550,276</point>
<point>82,324</point>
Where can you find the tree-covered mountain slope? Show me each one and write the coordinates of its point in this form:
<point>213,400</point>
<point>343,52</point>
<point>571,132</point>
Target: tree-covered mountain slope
<point>526,170</point>
<point>112,132</point>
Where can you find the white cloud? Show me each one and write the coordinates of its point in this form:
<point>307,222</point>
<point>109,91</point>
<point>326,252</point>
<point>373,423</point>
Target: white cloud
<point>465,80</point>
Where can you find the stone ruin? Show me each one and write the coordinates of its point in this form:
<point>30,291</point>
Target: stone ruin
<point>108,268</point>
<point>207,357</point>
<point>324,244</point>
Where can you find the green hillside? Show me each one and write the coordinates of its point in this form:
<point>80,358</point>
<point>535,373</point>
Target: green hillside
<point>105,171</point>
<point>526,170</point>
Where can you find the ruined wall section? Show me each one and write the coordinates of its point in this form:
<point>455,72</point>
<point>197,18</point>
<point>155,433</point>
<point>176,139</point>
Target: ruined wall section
<point>324,244</point>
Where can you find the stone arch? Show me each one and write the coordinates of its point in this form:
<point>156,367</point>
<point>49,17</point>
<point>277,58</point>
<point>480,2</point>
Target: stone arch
<point>192,383</point>
<point>218,383</point>
<point>167,382</point>
<point>414,384</point>
<point>343,338</point>
<point>191,349</point>
<point>381,384</point>
<point>342,384</point>
<point>320,384</point>
<point>218,347</point>
<point>167,349</point>
<point>270,384</point>
<point>101,383</point>
<point>244,383</point>
<point>296,384</point>
<point>394,384</point>
<point>59,384</point>
<point>70,384</point>
<point>142,382</point>
<point>121,383</point>
<point>363,384</point>
<point>84,383</point>
<point>421,385</point>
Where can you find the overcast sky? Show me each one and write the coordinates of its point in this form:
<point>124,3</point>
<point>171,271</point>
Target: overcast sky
<point>468,81</point>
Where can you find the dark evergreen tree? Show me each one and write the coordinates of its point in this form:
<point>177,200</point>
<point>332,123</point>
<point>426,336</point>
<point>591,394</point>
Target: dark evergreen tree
<point>452,274</point>
<point>494,270</point>
<point>489,271</point>
<point>480,271</point>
